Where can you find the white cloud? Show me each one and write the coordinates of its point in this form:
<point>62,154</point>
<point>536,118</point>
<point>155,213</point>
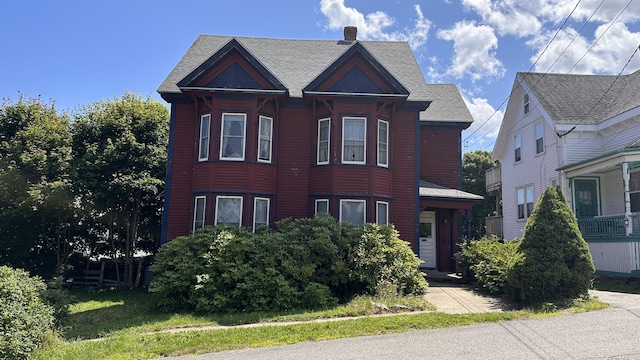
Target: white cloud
<point>474,51</point>
<point>486,119</point>
<point>372,26</point>
<point>510,17</point>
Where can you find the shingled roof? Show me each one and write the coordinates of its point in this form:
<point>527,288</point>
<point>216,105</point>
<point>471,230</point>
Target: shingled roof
<point>296,63</point>
<point>584,99</point>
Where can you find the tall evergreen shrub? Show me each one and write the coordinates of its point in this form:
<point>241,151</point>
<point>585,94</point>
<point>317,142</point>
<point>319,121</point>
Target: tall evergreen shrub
<point>556,264</point>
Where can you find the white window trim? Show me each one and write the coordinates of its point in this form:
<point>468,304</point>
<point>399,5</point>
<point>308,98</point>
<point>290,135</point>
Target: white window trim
<point>386,220</point>
<point>526,211</point>
<point>260,138</point>
<point>535,132</point>
<point>195,211</point>
<point>364,213</point>
<point>206,118</point>
<point>244,137</point>
<point>328,120</point>
<point>255,207</point>
<point>517,136</point>
<point>364,155</point>
<point>527,103</point>
<point>229,197</point>
<point>321,201</point>
<point>386,142</point>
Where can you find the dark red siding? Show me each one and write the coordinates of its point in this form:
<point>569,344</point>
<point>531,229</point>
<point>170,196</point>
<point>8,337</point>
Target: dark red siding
<point>439,156</point>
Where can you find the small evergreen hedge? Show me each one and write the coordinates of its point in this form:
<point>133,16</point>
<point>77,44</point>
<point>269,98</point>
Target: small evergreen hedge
<point>24,316</point>
<point>304,264</point>
<point>489,261</point>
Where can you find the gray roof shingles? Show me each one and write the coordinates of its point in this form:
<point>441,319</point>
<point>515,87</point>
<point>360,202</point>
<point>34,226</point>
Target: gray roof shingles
<point>295,63</point>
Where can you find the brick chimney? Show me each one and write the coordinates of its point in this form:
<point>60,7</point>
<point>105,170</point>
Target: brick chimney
<point>350,33</point>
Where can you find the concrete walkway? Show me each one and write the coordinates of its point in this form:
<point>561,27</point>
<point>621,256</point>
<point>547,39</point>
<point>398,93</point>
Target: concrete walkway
<point>455,298</point>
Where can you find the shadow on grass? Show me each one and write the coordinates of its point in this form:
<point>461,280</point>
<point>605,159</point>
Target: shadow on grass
<point>629,285</point>
<point>97,313</point>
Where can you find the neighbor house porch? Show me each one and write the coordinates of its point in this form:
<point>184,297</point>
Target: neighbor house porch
<point>604,193</point>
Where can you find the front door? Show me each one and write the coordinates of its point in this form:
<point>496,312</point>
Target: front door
<point>427,245</point>
<point>586,198</point>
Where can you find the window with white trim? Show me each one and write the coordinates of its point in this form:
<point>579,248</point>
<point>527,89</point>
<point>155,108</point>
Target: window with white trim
<point>199,210</point>
<point>383,143</point>
<point>382,212</point>
<point>229,210</point>
<point>353,211</point>
<point>321,206</point>
<point>634,191</point>
<point>260,212</point>
<point>324,135</point>
<point>517,146</point>
<point>525,202</point>
<point>205,131</point>
<point>265,132</point>
<point>233,136</point>
<point>354,131</point>
<point>539,138</point>
<point>527,107</point>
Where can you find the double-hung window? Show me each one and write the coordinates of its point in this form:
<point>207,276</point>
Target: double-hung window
<point>525,202</point>
<point>353,211</point>
<point>634,191</point>
<point>382,212</point>
<point>199,209</point>
<point>233,136</point>
<point>260,212</point>
<point>264,139</point>
<point>205,131</point>
<point>527,106</point>
<point>322,206</point>
<point>354,140</point>
<point>517,146</point>
<point>539,138</point>
<point>324,134</point>
<point>229,210</point>
<point>383,143</point>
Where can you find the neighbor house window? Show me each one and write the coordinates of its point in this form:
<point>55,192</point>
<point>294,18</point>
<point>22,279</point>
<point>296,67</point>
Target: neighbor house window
<point>323,141</point>
<point>383,143</point>
<point>322,206</point>
<point>527,107</point>
<point>382,212</point>
<point>264,139</point>
<point>199,208</point>
<point>260,212</point>
<point>539,138</point>
<point>233,135</point>
<point>517,145</point>
<point>205,131</point>
<point>525,202</point>
<point>229,210</point>
<point>353,140</point>
<point>634,191</point>
<point>353,211</point>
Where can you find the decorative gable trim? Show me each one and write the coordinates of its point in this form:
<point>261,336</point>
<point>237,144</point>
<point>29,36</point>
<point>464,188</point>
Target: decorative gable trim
<point>356,82</point>
<point>234,78</point>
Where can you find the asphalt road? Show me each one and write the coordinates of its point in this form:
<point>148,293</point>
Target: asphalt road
<point>607,334</point>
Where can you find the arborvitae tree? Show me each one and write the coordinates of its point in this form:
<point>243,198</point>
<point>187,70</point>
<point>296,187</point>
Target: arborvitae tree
<point>556,264</point>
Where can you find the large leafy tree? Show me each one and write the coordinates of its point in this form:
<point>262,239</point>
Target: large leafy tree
<point>555,264</point>
<point>37,210</point>
<point>119,153</point>
<point>474,165</point>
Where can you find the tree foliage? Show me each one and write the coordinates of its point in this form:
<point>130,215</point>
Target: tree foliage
<point>556,264</point>
<point>474,165</point>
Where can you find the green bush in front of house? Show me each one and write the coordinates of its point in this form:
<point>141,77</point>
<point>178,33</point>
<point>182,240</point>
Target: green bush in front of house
<point>25,318</point>
<point>489,261</point>
<point>556,264</point>
<point>304,264</point>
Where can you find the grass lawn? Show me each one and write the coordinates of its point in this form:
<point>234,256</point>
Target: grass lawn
<point>617,284</point>
<point>115,324</point>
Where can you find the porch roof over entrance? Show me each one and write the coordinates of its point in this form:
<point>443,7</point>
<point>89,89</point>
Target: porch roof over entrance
<point>431,190</point>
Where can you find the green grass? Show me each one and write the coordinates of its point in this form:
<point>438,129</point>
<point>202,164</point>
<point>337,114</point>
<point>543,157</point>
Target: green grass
<point>617,284</point>
<point>127,323</point>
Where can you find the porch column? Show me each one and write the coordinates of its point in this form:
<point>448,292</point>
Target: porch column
<point>627,199</point>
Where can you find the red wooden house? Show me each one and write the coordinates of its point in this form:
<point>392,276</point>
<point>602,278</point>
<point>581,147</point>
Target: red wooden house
<point>264,129</point>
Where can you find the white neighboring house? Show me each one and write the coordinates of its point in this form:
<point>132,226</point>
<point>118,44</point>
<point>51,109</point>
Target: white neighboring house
<point>581,132</point>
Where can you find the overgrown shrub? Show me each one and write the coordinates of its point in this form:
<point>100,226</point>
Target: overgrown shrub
<point>305,263</point>
<point>489,260</point>
<point>556,264</point>
<point>24,317</point>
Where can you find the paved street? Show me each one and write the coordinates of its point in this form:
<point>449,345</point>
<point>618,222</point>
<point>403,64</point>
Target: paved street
<point>607,334</point>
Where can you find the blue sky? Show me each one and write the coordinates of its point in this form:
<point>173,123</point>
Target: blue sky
<point>76,52</point>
